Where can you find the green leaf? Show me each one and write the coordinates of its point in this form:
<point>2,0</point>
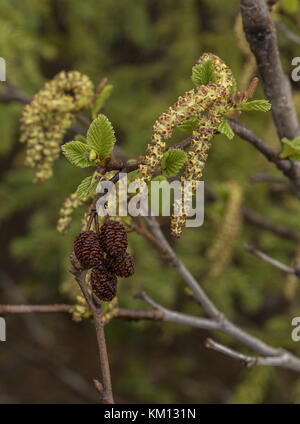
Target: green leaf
<point>260,105</point>
<point>101,136</point>
<point>189,125</point>
<point>86,188</point>
<point>291,148</point>
<point>77,153</point>
<point>290,6</point>
<point>101,100</point>
<point>203,74</point>
<point>225,128</point>
<point>81,138</point>
<point>172,162</point>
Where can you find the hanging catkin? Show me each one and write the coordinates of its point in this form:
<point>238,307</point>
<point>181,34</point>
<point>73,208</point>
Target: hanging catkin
<point>46,119</point>
<point>221,251</point>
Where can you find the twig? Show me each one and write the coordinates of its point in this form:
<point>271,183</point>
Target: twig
<point>80,276</point>
<point>27,309</point>
<point>266,258</point>
<point>290,169</point>
<point>139,314</point>
<point>218,320</point>
<point>261,35</point>
<point>247,360</point>
<point>288,33</point>
<point>266,224</point>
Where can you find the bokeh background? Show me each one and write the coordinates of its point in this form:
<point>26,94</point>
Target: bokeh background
<point>147,49</point>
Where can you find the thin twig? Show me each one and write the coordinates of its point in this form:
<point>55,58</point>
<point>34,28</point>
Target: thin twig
<point>266,258</point>
<point>80,276</point>
<point>28,309</point>
<point>288,33</point>
<point>247,360</point>
<point>274,227</point>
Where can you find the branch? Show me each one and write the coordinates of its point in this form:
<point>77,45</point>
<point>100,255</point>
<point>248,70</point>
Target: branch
<point>288,33</point>
<point>27,309</point>
<point>247,360</point>
<point>266,258</point>
<point>80,276</point>
<point>261,35</point>
<point>290,169</point>
<point>266,224</point>
<point>218,321</point>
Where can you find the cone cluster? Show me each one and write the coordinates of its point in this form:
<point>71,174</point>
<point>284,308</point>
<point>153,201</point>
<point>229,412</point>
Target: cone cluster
<point>106,255</point>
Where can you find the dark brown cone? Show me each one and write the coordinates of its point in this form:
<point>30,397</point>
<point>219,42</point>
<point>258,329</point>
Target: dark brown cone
<point>113,238</point>
<point>122,266</point>
<point>103,283</point>
<point>87,249</point>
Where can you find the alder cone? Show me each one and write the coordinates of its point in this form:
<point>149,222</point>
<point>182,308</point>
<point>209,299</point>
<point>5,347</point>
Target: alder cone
<point>113,238</point>
<point>87,249</point>
<point>122,266</point>
<point>103,283</point>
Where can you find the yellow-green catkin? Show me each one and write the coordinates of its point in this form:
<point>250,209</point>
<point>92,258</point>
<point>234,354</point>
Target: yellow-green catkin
<point>110,312</point>
<point>192,104</point>
<point>221,251</point>
<point>217,99</point>
<point>46,119</point>
<point>70,204</point>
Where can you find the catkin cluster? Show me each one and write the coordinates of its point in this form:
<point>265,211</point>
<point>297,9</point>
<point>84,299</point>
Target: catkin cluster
<point>106,255</point>
<point>207,104</point>
<point>46,119</point>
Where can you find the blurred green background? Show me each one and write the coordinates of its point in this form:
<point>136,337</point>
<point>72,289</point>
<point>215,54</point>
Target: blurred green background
<point>147,49</point>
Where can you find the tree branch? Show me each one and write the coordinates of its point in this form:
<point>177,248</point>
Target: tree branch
<point>27,309</point>
<point>266,258</point>
<point>261,35</point>
<point>217,321</point>
<point>80,276</point>
<point>274,227</point>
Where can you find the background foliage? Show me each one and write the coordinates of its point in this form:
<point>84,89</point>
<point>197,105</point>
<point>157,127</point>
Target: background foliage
<point>147,49</point>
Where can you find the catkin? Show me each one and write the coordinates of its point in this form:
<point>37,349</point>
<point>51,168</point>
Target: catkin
<point>221,251</point>
<point>46,119</point>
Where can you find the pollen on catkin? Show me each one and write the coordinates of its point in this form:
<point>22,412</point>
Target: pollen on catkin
<point>217,100</point>
<point>70,204</point>
<point>46,119</point>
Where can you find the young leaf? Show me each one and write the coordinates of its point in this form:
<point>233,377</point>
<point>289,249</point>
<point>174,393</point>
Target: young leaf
<point>101,100</point>
<point>101,136</point>
<point>77,153</point>
<point>291,148</point>
<point>225,128</point>
<point>86,188</point>
<point>172,162</point>
<point>203,74</point>
<point>81,138</point>
<point>189,125</point>
<point>260,105</point>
